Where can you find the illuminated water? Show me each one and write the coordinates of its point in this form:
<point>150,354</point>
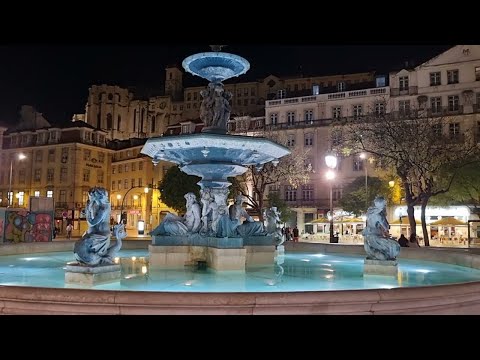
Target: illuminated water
<point>299,272</point>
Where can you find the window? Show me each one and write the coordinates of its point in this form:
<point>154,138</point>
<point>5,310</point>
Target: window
<point>50,175</point>
<point>189,96</point>
<point>245,102</point>
<point>453,103</point>
<point>379,109</point>
<point>125,183</point>
<point>290,117</point>
<point>454,130</point>
<point>100,176</point>
<point>53,135</point>
<point>51,155</point>
<point>452,76</point>
<point>86,155</point>
<point>140,165</point>
<point>437,129</point>
<point>120,169</point>
<point>357,111</point>
<point>37,175</point>
<point>357,164</point>
<point>404,107</point>
<point>140,182</point>
<point>113,185</point>
<point>281,94</point>
<point>152,129</point>
<point>63,174</point>
<point>337,112</point>
<point>109,121</point>
<point>38,155</point>
<point>114,169</point>
<point>290,193</point>
<point>341,86</point>
<point>10,197</point>
<point>477,73</point>
<point>291,140</point>
<point>36,193</point>
<point>86,175</point>
<point>435,79</point>
<point>336,194</point>
<point>274,189</point>
<point>101,157</point>
<point>307,192</point>
<point>309,139</point>
<point>274,119</point>
<point>63,196</point>
<point>134,166</point>
<point>315,90</point>
<point>403,83</point>
<point>50,193</point>
<point>132,183</point>
<point>436,105</point>
<point>252,92</point>
<point>119,183</point>
<point>127,167</point>
<point>84,196</point>
<point>308,116</point>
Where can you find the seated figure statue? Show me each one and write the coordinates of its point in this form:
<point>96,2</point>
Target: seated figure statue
<point>181,225</point>
<point>249,227</point>
<point>273,225</point>
<point>378,243</point>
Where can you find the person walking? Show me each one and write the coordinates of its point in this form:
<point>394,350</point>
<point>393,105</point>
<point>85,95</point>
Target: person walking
<point>69,231</point>
<point>295,234</point>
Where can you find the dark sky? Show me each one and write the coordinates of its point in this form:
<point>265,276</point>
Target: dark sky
<point>55,78</point>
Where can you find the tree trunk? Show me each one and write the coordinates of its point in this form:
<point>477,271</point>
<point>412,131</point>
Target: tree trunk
<point>424,224</point>
<point>260,207</point>
<point>411,218</point>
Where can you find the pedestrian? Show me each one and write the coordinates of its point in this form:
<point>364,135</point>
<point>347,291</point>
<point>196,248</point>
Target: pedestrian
<point>69,231</point>
<point>295,234</point>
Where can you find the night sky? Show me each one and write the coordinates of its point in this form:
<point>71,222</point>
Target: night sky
<point>55,78</point>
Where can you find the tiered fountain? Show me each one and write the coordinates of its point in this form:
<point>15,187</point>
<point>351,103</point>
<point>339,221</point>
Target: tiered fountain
<point>211,233</point>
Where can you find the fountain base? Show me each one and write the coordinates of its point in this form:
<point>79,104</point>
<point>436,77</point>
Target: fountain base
<point>380,267</point>
<point>218,253</point>
<point>78,274</point>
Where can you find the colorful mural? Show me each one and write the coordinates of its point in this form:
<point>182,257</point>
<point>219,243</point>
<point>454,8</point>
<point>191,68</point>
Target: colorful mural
<point>25,226</point>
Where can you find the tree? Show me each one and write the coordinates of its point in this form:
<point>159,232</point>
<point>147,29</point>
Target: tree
<point>354,199</point>
<point>294,169</point>
<point>465,190</point>
<point>174,185</point>
<point>415,146</point>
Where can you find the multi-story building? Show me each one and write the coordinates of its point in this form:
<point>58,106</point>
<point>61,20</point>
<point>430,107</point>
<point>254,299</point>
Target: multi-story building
<point>447,85</point>
<point>122,116</point>
<point>64,163</point>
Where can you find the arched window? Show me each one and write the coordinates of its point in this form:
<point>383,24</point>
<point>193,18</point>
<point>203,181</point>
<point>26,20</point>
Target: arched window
<point>109,121</point>
<point>118,97</point>
<point>100,97</point>
<point>119,120</point>
<point>153,124</point>
<point>99,116</point>
<point>141,120</point>
<point>110,97</point>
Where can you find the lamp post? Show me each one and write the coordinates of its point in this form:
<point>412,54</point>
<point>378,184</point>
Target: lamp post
<point>363,156</point>
<point>331,161</point>
<point>9,195</point>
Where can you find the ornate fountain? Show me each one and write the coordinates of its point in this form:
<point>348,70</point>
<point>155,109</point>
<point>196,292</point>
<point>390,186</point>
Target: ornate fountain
<point>209,231</point>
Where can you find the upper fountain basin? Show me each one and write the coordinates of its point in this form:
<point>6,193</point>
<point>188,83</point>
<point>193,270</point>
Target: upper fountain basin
<point>204,148</point>
<point>216,66</point>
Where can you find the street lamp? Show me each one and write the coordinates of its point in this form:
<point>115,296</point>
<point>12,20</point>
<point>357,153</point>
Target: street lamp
<point>9,195</point>
<point>331,161</point>
<point>363,156</point>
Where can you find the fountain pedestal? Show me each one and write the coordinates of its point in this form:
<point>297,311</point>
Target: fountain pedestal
<point>218,253</point>
<point>76,273</point>
<point>380,267</point>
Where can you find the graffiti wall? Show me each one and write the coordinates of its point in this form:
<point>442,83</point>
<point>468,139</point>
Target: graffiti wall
<point>23,226</point>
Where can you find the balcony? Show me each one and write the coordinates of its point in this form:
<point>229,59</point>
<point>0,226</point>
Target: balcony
<point>327,97</point>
